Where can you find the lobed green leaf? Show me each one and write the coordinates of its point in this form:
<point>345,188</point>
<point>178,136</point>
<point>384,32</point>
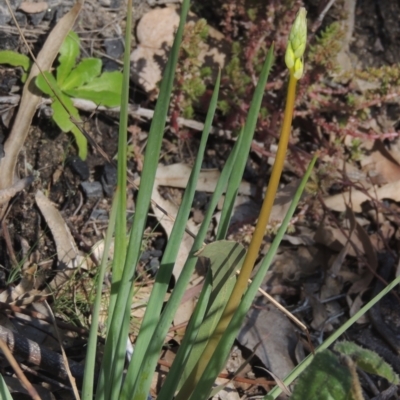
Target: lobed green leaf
<point>69,51</point>
<point>62,112</point>
<point>15,59</point>
<point>104,90</point>
<point>84,73</point>
<point>325,379</point>
<point>368,361</point>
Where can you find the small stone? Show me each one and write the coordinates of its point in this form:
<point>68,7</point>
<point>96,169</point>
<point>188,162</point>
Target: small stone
<point>114,47</point>
<point>21,19</point>
<point>159,243</point>
<point>99,215</point>
<point>109,179</point>
<point>115,4</point>
<point>145,256</point>
<point>5,15</point>
<point>92,189</point>
<point>79,167</point>
<point>153,266</point>
<point>156,253</point>
<point>37,18</point>
<point>200,199</point>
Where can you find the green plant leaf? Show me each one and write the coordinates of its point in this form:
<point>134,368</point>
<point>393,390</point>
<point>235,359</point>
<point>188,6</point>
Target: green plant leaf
<point>62,113</point>
<point>43,84</point>
<point>84,73</point>
<point>368,361</point>
<point>4,392</point>
<point>226,258</point>
<point>219,357</point>
<point>325,379</point>
<point>275,392</point>
<point>15,59</point>
<point>104,90</point>
<point>69,51</point>
<point>62,118</point>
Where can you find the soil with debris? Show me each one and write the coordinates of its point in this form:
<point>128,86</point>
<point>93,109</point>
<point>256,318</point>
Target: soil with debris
<point>339,251</point>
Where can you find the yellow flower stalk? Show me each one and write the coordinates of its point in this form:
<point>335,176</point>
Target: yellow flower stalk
<point>294,62</point>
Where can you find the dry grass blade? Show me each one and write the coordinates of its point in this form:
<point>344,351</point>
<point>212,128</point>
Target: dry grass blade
<point>18,371</point>
<point>31,97</point>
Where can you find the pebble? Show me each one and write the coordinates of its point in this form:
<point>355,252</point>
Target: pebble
<point>114,48</point>
<point>153,266</point>
<point>5,15</point>
<point>79,167</point>
<point>145,256</point>
<point>109,179</point>
<point>92,189</point>
<point>159,243</point>
<point>37,18</point>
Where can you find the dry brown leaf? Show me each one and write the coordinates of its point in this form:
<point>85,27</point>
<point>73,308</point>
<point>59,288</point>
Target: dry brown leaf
<point>370,253</point>
<point>355,306</point>
<point>273,334</point>
<point>283,199</point>
<point>167,225</point>
<point>33,8</point>
<point>177,175</point>
<point>334,238</point>
<point>355,198</point>
<point>67,253</point>
<point>382,163</point>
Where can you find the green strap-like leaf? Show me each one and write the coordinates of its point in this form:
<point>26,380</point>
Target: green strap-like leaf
<point>226,258</point>
<point>4,392</point>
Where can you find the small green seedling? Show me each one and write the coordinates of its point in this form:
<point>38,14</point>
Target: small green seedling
<point>84,81</point>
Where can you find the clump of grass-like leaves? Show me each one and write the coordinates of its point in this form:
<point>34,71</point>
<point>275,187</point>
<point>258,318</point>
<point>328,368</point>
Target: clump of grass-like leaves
<point>224,299</point>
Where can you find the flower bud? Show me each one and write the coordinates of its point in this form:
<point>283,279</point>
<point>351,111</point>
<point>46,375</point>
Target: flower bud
<point>297,43</point>
<point>289,57</point>
<point>298,68</point>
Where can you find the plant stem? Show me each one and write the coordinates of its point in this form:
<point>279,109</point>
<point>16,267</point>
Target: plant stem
<point>254,248</point>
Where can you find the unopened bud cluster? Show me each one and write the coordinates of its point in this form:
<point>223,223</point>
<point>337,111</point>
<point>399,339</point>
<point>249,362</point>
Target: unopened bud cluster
<point>297,44</point>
